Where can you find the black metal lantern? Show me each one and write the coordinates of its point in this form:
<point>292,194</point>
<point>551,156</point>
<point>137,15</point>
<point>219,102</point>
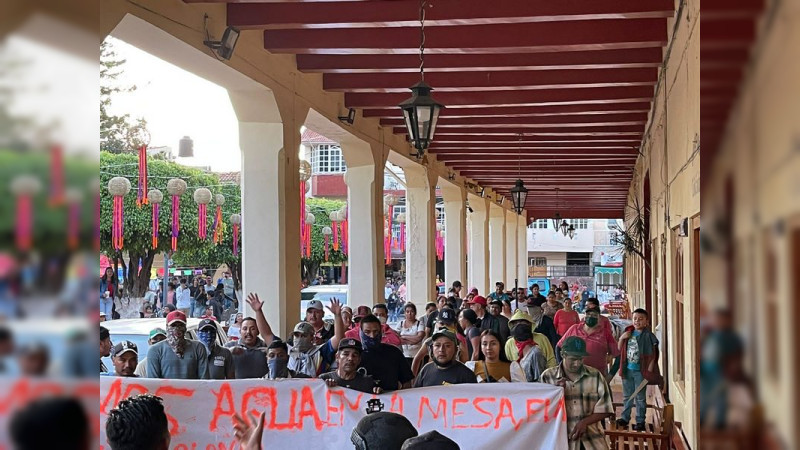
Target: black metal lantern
<point>421,112</point>
<point>564,227</point>
<point>519,194</point>
<point>571,232</point>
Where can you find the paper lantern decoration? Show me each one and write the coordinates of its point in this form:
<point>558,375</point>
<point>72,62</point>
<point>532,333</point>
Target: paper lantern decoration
<point>141,192</point>
<point>176,187</point>
<point>218,226</point>
<point>439,241</point>
<point>305,175</point>
<point>118,187</point>
<point>401,219</point>
<point>345,234</point>
<point>326,234</point>
<point>73,197</point>
<point>236,220</point>
<point>335,219</point>
<point>155,197</point>
<point>387,246</point>
<point>202,196</point>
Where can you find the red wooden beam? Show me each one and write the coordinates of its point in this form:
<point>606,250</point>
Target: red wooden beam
<point>605,95</point>
<point>543,129</point>
<point>457,62</point>
<point>592,119</point>
<point>494,38</point>
<point>525,111</point>
<point>357,14</point>
<point>442,138</point>
<point>510,145</point>
<point>488,81</point>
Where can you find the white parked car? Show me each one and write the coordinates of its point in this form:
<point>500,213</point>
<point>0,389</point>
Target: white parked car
<point>138,332</point>
<point>323,293</point>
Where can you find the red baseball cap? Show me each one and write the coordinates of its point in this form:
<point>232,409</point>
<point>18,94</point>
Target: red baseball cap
<point>176,316</point>
<point>479,300</point>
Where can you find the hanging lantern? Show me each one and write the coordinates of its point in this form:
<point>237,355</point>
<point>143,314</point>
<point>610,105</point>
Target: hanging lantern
<point>74,197</point>
<point>401,219</point>
<point>345,234</point>
<point>154,197</point>
<point>56,176</point>
<point>304,175</point>
<point>326,234</point>
<point>310,219</point>
<point>390,200</point>
<point>202,196</point>
<point>141,191</point>
<point>571,232</point>
<point>519,194</point>
<point>439,242</point>
<point>421,112</point>
<point>236,219</point>
<point>387,249</point>
<point>176,187</point>
<point>24,187</point>
<point>564,227</point>
<point>218,225</point>
<point>118,187</point>
<point>335,219</point>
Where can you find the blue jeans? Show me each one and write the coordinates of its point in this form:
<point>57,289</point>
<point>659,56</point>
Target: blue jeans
<point>630,381</point>
<point>105,306</point>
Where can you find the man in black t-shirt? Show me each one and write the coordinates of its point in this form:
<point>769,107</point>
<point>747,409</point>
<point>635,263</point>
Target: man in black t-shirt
<point>346,374</point>
<point>385,363</point>
<point>444,369</point>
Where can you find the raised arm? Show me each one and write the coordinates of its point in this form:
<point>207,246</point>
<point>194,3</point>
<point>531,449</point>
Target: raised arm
<point>261,320</point>
<point>338,323</point>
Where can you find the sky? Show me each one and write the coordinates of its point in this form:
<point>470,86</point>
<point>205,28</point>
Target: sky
<point>177,103</point>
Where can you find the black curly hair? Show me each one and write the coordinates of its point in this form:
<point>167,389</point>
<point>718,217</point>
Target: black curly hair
<point>53,422</point>
<point>137,423</point>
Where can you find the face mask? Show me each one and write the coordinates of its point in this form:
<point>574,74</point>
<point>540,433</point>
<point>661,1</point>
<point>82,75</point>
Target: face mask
<point>369,342</point>
<point>522,333</point>
<point>302,344</point>
<point>382,319</point>
<point>206,337</point>
<point>278,367</point>
<point>591,321</point>
<point>176,343</point>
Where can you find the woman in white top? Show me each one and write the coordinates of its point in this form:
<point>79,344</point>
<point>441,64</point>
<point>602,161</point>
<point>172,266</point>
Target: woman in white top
<point>411,331</point>
<point>234,331</point>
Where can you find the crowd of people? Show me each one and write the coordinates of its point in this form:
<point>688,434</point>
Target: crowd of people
<point>464,337</point>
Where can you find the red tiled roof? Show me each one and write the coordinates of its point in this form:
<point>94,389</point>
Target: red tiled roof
<point>311,137</point>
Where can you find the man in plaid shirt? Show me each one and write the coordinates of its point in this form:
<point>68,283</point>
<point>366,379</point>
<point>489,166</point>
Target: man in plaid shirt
<point>587,397</point>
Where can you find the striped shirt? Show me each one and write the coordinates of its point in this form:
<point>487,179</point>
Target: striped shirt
<point>587,395</point>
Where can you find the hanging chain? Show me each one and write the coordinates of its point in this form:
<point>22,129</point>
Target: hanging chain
<point>422,5</point>
<point>519,157</point>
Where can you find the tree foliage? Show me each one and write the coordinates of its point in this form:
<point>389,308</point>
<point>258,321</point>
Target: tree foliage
<point>137,233</point>
<point>114,129</point>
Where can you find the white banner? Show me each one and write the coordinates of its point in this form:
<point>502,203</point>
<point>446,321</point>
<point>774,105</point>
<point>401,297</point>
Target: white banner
<point>306,413</point>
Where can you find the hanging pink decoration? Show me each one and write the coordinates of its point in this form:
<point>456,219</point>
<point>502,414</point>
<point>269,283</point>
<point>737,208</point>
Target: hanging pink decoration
<point>390,200</point>
<point>326,234</point>
<point>310,219</point>
<point>305,175</point>
<point>176,187</point>
<point>345,233</point>
<point>141,192</point>
<point>202,197</point>
<point>73,198</point>
<point>236,219</point>
<point>56,176</point>
<point>155,197</point>
<point>439,242</point>
<point>387,245</point>
<point>401,241</point>
<point>335,219</point>
<point>24,187</point>
<point>118,187</point>
<point>218,226</point>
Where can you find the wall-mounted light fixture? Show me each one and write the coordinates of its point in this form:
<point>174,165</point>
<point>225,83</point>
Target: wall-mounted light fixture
<point>224,47</point>
<point>349,118</point>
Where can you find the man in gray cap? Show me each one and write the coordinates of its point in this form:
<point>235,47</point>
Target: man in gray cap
<point>323,331</point>
<point>156,335</point>
<point>346,374</point>
<point>382,431</point>
<point>444,369</point>
<point>432,440</point>
<point>124,357</point>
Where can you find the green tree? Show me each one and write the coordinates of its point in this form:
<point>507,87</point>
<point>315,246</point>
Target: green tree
<point>137,231</point>
<point>322,209</point>
<point>115,131</point>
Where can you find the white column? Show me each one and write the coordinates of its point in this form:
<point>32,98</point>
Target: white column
<point>455,225</point>
<point>364,179</point>
<point>497,244</point>
<point>420,229</point>
<point>511,248</point>
<point>478,263</point>
<point>522,248</point>
<point>270,223</point>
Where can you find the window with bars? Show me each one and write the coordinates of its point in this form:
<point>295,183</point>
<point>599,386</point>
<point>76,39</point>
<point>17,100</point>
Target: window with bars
<point>328,159</point>
<point>538,262</point>
<point>579,224</point>
<point>678,289</point>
